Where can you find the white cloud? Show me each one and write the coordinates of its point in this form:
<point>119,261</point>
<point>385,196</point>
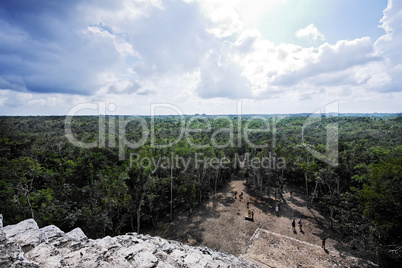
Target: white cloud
<point>331,59</point>
<point>226,22</point>
<point>229,17</point>
<point>310,32</point>
<point>252,67</point>
<point>222,78</point>
<point>248,65</point>
<point>389,45</point>
<point>117,14</point>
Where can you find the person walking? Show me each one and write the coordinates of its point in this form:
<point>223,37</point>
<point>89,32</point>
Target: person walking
<point>301,225</point>
<point>276,209</point>
<point>294,225</point>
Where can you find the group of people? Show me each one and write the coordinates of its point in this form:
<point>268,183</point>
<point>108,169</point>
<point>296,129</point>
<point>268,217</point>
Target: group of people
<point>300,222</point>
<point>277,207</point>
<point>240,195</point>
<point>250,212</point>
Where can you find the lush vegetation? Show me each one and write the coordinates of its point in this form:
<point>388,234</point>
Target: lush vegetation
<point>135,166</point>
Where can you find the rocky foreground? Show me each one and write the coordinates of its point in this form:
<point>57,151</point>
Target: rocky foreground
<point>27,245</point>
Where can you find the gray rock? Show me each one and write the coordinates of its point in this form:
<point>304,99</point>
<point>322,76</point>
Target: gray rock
<point>51,247</point>
<point>52,232</point>
<point>77,235</point>
<point>10,252</point>
<point>25,264</point>
<point>107,243</point>
<point>2,235</point>
<point>28,239</point>
<point>25,233</point>
<point>164,265</point>
<point>26,225</point>
<point>192,259</point>
<point>167,247</point>
<point>47,256</point>
<point>145,259</point>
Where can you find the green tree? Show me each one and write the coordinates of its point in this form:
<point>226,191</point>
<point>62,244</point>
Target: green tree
<point>381,201</point>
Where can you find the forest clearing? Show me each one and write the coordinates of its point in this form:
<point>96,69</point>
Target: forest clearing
<point>269,241</point>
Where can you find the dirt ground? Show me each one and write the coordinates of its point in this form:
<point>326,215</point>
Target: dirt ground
<point>269,240</point>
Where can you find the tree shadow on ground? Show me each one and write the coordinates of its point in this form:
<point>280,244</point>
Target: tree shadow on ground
<point>297,202</point>
<point>186,226</point>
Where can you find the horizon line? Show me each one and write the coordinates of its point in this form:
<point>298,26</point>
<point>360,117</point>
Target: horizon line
<point>203,114</point>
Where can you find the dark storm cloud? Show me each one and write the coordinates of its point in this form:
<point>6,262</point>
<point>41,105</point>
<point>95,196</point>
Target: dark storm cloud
<point>43,48</point>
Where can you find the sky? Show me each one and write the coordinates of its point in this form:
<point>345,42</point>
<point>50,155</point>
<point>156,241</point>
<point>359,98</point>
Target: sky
<point>143,57</point>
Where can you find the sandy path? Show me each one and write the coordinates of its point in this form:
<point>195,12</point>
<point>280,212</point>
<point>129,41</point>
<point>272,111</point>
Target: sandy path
<point>220,223</point>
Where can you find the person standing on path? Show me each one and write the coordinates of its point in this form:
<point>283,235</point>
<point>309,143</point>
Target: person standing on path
<point>301,225</point>
<point>294,224</point>
<point>323,241</point>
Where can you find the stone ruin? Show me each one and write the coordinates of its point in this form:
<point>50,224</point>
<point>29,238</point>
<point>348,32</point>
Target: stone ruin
<point>26,245</point>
